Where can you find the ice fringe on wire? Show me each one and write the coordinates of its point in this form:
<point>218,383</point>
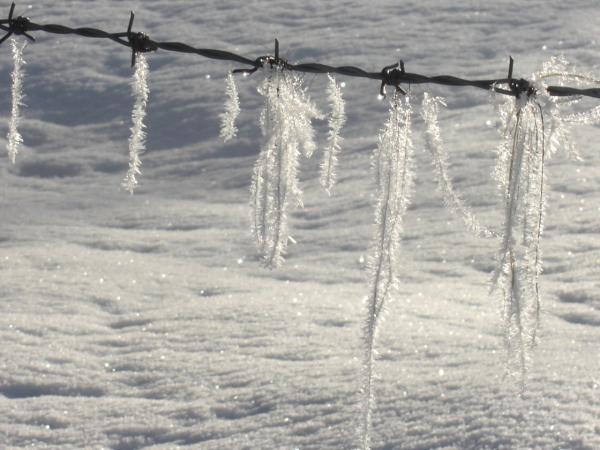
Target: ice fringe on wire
<point>287,130</point>
<point>232,110</point>
<point>337,119</point>
<point>520,173</point>
<point>559,67</point>
<point>139,85</point>
<point>534,128</point>
<point>433,142</point>
<point>393,166</point>
<point>14,137</point>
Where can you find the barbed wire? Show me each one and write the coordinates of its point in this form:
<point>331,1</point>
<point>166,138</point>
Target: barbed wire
<point>393,75</point>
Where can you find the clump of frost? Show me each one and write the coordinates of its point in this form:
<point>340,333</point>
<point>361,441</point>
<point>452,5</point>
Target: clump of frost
<point>337,119</point>
<point>434,144</point>
<point>140,92</point>
<point>520,174</point>
<point>591,117</point>
<point>15,140</point>
<point>232,109</point>
<point>534,128</point>
<point>393,166</point>
<point>286,125</point>
<point>560,120</point>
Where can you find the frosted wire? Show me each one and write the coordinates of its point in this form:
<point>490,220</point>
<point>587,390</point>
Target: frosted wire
<point>137,140</point>
<point>15,140</point>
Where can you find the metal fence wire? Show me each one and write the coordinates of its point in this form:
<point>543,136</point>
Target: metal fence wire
<point>393,75</point>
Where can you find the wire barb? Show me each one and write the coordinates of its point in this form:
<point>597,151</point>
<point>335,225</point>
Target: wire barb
<point>520,86</point>
<point>392,76</point>
<point>17,26</point>
<point>272,61</point>
<point>389,76</point>
<point>139,42</point>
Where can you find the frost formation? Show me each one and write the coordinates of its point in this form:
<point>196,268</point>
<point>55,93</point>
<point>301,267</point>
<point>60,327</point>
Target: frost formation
<point>394,178</point>
<point>137,140</point>
<point>15,140</point>
<point>287,131</point>
<point>337,119</point>
<point>232,110</point>
<point>534,127</point>
<point>520,174</point>
<point>433,143</point>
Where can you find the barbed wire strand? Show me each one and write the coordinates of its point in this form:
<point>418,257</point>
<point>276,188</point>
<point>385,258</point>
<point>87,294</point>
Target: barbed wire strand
<point>394,75</point>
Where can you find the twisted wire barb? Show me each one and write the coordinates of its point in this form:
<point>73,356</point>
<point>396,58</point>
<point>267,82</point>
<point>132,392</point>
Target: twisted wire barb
<point>389,76</point>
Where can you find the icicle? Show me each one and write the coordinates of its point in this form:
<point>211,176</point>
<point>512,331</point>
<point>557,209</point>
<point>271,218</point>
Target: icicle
<point>434,144</point>
<point>394,178</point>
<point>286,127</point>
<point>14,137</point>
<point>232,110</point>
<point>140,91</point>
<point>337,119</point>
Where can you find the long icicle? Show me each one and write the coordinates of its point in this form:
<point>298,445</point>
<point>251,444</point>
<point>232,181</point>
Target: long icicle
<point>15,140</point>
<point>137,140</point>
<point>394,177</point>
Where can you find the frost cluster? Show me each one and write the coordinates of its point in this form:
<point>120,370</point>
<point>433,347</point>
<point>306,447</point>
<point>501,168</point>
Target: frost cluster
<point>433,143</point>
<point>534,127</point>
<point>286,125</point>
<point>394,178</point>
<point>337,119</point>
<point>137,140</point>
<point>14,137</point>
<point>232,110</point>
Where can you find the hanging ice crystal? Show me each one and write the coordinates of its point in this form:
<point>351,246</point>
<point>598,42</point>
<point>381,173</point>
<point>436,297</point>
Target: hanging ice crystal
<point>434,144</point>
<point>520,173</point>
<point>394,176</point>
<point>337,119</point>
<point>14,137</point>
<point>232,110</point>
<point>140,91</point>
<point>287,129</point>
<point>534,128</point>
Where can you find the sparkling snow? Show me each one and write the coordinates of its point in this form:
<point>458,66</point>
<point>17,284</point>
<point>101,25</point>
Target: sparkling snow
<point>128,322</point>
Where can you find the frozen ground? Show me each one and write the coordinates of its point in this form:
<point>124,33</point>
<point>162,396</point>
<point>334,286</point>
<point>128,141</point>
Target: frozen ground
<point>147,322</point>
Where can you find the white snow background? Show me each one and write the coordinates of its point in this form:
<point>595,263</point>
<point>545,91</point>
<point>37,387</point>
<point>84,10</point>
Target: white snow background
<point>146,321</point>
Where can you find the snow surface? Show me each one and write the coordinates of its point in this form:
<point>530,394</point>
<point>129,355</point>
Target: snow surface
<point>146,321</point>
